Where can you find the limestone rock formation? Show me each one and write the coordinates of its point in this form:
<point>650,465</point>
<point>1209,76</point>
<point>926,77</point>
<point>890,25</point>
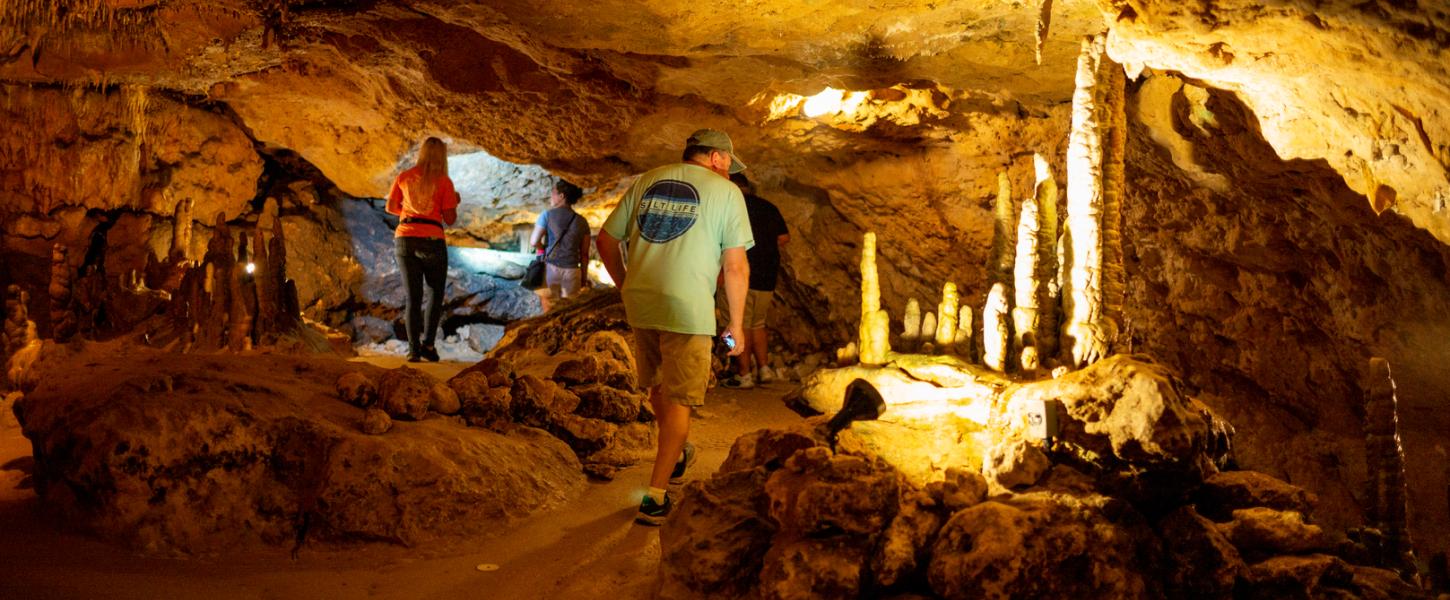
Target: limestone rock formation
<point>874,322</point>
<point>205,454</point>
<point>911,325</point>
<point>1034,311</point>
<point>948,312</point>
<point>996,328</point>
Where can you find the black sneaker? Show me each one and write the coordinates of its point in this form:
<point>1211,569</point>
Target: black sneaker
<point>414,357</point>
<point>687,458</point>
<point>428,353</point>
<point>653,513</point>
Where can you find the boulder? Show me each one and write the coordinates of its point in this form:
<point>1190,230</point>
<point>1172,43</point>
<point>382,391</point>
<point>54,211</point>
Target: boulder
<point>375,422</point>
<point>406,393</point>
<point>498,373</point>
<point>611,344</point>
<point>599,401</point>
<point>714,544</point>
<point>960,489</point>
<point>1131,421</point>
<point>1260,532</point>
<point>595,369</point>
<point>1313,576</point>
<point>768,448</point>
<point>534,401</point>
<point>444,400</point>
<point>481,405</point>
<point>631,444</point>
<point>1014,464</point>
<point>1199,562</point>
<point>1225,492</point>
<point>907,541</point>
<point>820,493</point>
<point>236,450</point>
<point>1043,545</point>
<point>584,435</point>
<point>813,569</point>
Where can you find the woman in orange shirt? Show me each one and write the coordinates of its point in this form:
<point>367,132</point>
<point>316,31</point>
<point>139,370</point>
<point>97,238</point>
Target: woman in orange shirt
<point>424,199</point>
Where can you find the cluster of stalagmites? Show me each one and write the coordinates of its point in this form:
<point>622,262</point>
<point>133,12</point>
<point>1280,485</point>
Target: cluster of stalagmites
<point>1127,503</point>
<point>1048,294</point>
<point>590,403</point>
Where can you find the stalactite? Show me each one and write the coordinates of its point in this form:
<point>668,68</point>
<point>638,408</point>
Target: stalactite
<point>62,310</point>
<point>1389,498</point>
<point>1004,228</point>
<point>911,326</point>
<point>946,323</point>
<point>1044,21</point>
<point>964,341</point>
<point>875,324</point>
<point>996,328</point>
<point>1034,318</point>
<point>1088,332</point>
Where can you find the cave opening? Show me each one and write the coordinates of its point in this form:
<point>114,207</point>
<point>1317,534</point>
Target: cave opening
<point>1075,299</point>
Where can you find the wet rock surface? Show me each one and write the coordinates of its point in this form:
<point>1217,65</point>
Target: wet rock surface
<point>196,455</point>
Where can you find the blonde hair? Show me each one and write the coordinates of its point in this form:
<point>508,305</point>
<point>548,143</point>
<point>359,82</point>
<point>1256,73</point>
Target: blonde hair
<point>432,164</point>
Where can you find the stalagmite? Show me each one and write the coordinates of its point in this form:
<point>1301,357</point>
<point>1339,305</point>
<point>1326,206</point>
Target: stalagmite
<point>62,313</point>
<point>220,263</point>
<point>1388,496</point>
<point>946,325</point>
<point>1044,21</point>
<point>243,302</point>
<point>1004,228</point>
<point>1034,318</point>
<point>262,306</point>
<point>875,324</point>
<point>181,230</point>
<point>911,325</point>
<point>928,323</point>
<point>1089,331</point>
<point>18,338</point>
<point>964,341</point>
<point>996,329</point>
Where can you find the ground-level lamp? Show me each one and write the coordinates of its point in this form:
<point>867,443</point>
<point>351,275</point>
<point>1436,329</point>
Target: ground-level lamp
<point>862,403</point>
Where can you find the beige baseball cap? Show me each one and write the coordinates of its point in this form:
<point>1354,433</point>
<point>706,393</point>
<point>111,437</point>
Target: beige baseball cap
<point>711,138</point>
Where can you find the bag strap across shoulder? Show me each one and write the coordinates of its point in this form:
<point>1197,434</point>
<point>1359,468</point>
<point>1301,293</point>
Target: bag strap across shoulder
<point>572,217</point>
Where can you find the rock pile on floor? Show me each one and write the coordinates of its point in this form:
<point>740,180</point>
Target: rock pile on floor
<point>186,454</point>
<point>1128,501</point>
<point>590,402</point>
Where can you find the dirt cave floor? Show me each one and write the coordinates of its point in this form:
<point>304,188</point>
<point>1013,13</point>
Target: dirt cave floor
<point>588,548</point>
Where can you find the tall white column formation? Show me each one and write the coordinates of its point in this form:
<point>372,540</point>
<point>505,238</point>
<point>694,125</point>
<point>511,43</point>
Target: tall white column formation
<point>875,324</point>
<point>1034,318</point>
<point>964,341</point>
<point>1114,94</point>
<point>1090,328</point>
<point>1004,228</point>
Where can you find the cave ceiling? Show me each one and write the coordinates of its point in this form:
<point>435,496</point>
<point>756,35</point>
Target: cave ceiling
<point>596,90</point>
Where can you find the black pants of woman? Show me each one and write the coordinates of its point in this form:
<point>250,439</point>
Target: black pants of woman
<point>423,260</point>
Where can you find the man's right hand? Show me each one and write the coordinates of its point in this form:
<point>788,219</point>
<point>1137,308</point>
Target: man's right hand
<point>738,332</point>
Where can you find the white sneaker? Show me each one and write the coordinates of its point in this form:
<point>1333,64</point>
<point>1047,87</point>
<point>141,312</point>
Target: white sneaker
<point>765,375</point>
<point>739,382</point>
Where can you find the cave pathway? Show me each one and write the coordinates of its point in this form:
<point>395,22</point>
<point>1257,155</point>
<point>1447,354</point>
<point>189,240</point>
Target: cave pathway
<point>589,548</point>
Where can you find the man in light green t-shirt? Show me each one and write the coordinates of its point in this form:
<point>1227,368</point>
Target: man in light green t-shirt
<point>678,225</point>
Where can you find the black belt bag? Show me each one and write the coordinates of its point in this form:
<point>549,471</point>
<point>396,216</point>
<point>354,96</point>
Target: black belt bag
<point>423,220</point>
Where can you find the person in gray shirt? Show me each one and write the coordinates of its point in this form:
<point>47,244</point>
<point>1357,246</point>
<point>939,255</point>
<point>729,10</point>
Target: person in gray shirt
<point>562,236</point>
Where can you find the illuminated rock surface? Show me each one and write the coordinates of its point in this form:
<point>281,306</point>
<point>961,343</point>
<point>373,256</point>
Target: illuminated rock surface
<point>1284,213</point>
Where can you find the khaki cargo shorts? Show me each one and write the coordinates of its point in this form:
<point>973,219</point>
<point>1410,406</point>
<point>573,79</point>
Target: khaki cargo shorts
<point>757,308</point>
<point>677,362</point>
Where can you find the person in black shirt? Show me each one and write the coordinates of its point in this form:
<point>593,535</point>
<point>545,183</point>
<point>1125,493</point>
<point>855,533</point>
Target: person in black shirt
<point>562,236</point>
<point>771,234</point>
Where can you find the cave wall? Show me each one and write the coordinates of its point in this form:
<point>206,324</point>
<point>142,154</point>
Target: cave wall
<point>1271,293</point>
